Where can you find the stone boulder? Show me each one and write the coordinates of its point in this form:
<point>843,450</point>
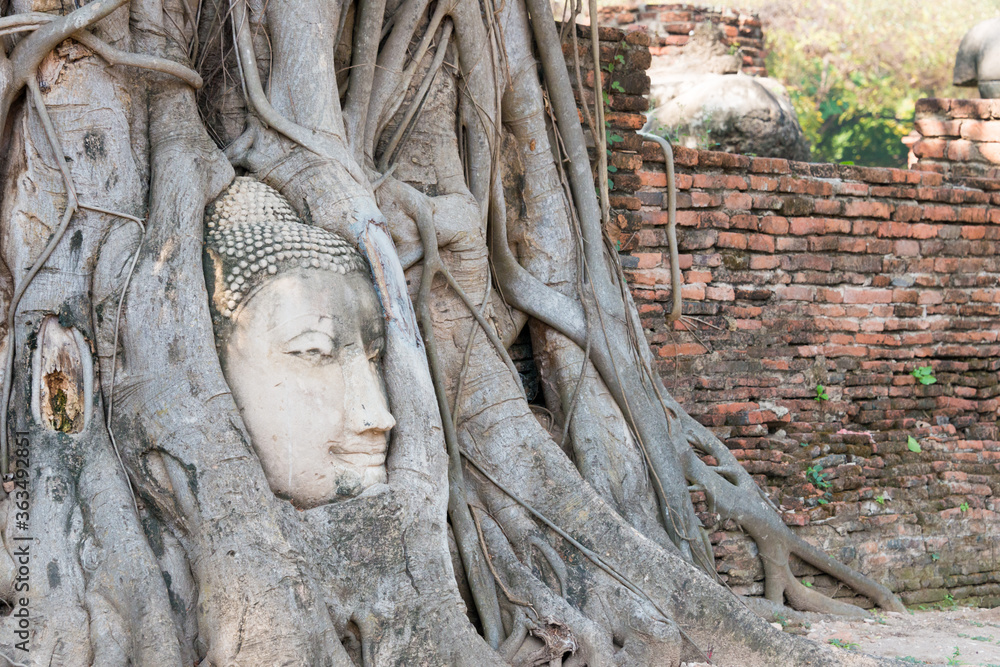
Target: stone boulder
<point>703,101</point>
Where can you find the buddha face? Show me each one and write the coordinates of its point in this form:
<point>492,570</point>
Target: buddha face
<point>303,362</point>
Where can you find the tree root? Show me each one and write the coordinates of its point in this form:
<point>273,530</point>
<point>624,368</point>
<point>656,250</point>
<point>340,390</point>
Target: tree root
<point>732,493</point>
<point>483,590</point>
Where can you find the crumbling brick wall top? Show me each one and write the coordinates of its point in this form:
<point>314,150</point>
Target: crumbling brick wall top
<point>960,137</point>
<point>671,25</point>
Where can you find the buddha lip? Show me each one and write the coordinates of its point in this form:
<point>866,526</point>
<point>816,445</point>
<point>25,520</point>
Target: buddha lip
<point>367,450</point>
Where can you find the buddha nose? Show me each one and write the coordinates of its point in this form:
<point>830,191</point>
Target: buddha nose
<point>364,400</point>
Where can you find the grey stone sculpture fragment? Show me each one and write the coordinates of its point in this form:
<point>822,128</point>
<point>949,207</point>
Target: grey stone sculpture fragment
<point>978,60</point>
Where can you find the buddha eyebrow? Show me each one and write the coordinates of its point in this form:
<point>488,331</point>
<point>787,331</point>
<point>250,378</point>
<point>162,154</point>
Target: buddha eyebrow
<point>319,319</point>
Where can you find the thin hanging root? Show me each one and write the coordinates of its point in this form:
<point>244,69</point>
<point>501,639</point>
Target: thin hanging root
<point>34,20</point>
<point>114,355</point>
<point>36,266</point>
<point>588,118</point>
<point>675,266</point>
<point>28,54</point>
<point>254,89</point>
<point>117,57</point>
<point>600,136</point>
<point>409,118</point>
<point>468,345</point>
<point>487,329</point>
<point>481,582</point>
<point>576,393</point>
<point>489,562</point>
<point>399,93</point>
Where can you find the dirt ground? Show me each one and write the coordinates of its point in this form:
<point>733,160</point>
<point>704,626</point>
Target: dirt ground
<point>960,636</point>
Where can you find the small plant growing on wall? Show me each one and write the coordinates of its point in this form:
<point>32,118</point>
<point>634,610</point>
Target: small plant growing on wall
<point>821,394</point>
<point>817,477</point>
<point>924,374</point>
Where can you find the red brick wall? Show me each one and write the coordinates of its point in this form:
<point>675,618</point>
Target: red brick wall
<point>958,137</point>
<point>670,26</point>
<point>850,277</point>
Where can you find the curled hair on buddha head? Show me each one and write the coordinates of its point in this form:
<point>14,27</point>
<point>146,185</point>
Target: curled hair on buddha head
<point>253,234</point>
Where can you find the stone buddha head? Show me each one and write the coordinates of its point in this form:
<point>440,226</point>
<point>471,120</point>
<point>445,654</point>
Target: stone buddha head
<point>300,335</point>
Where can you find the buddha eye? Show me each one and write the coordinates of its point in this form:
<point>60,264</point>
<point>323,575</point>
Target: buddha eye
<point>312,346</point>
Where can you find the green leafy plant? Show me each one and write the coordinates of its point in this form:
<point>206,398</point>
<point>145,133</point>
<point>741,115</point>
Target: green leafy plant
<point>821,394</point>
<point>880,499</point>
<point>855,93</point>
<point>807,584</point>
<point>953,660</point>
<point>924,374</point>
<point>935,557</point>
<point>817,477</point>
<point>964,507</point>
<point>912,444</point>
<point>840,643</point>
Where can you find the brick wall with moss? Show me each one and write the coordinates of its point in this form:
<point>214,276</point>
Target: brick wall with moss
<point>844,341</point>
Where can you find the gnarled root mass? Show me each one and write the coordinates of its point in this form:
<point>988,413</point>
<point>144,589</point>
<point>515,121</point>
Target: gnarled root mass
<point>561,533</point>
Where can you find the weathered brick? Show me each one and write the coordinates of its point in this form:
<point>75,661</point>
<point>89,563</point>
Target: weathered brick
<point>980,130</point>
<point>937,127</point>
<point>930,148</point>
<point>867,295</point>
<point>943,213</point>
<point>867,209</point>
<point>738,201</point>
<point>804,226</point>
<point>760,243</point>
<point>763,183</point>
<point>761,262</point>
<point>989,152</point>
<point>732,240</point>
<point>720,293</point>
<point>768,165</point>
<point>773,224</point>
<point>961,150</point>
